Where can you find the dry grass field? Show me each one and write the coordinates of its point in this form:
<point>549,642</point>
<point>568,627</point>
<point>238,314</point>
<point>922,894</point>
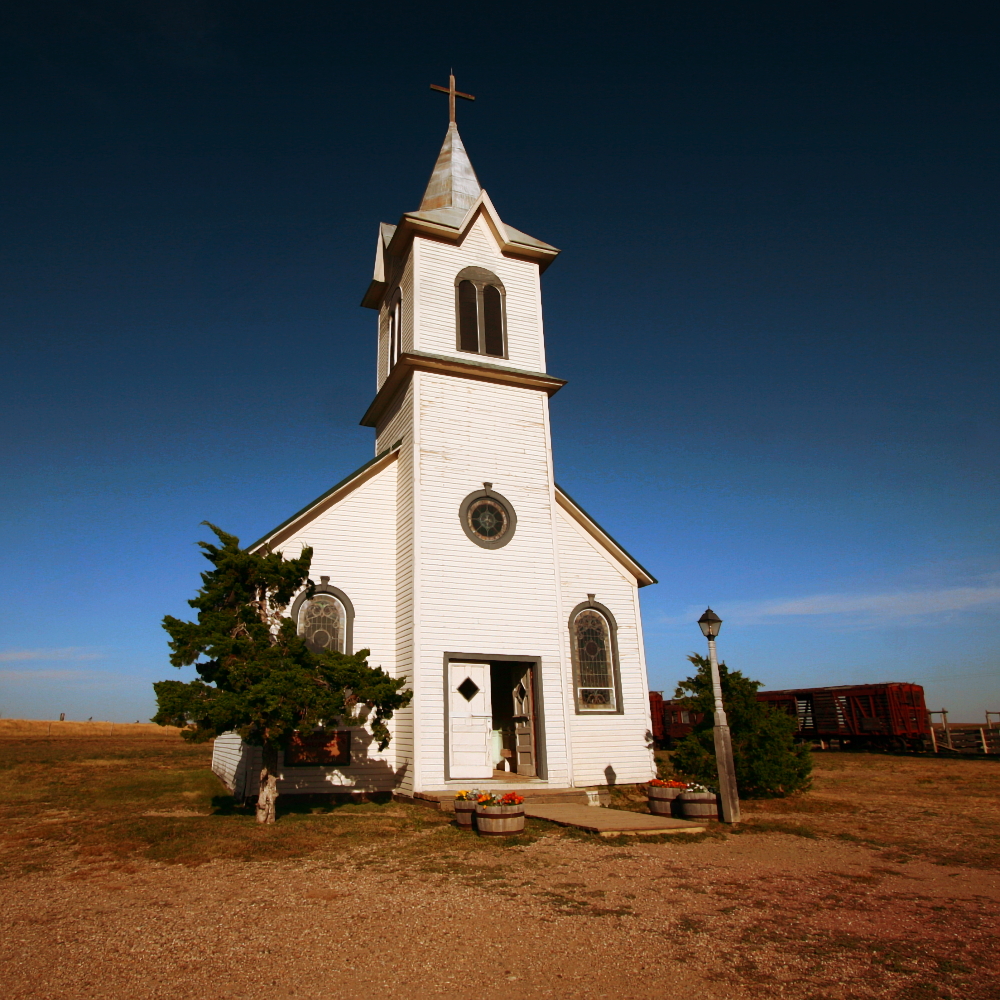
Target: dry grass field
<point>942,809</point>
<point>127,871</point>
<point>55,728</point>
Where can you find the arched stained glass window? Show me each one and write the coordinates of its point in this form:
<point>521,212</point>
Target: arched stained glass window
<point>593,656</point>
<point>323,624</point>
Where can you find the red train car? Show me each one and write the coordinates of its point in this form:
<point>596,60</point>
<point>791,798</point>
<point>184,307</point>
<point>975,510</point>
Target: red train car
<point>893,715</point>
<point>656,716</point>
<point>888,715</point>
<point>671,721</point>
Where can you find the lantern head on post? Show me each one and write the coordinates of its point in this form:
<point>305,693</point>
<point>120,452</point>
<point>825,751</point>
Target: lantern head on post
<point>709,623</point>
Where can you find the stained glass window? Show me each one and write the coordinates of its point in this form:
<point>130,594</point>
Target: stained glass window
<point>594,662</point>
<point>323,624</point>
<point>488,519</point>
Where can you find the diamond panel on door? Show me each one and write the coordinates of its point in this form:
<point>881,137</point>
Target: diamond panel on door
<point>468,689</point>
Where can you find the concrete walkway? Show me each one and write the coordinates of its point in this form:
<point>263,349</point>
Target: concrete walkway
<point>610,822</point>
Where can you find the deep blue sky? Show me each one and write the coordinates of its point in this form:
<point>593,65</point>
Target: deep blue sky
<point>777,308</point>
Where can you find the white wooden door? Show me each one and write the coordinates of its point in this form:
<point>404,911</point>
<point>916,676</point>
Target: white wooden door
<point>470,720</point>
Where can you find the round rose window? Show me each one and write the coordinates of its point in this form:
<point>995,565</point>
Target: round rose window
<point>488,519</point>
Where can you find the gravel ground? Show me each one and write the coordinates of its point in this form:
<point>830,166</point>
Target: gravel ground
<point>765,915</point>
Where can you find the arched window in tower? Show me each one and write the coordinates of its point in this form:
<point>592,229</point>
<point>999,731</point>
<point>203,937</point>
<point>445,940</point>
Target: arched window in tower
<point>395,329</point>
<point>492,321</point>
<point>480,312</point>
<point>594,660</point>
<point>468,317</point>
<point>323,624</point>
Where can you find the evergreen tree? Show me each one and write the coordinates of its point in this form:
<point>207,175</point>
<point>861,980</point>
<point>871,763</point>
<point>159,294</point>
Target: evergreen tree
<point>258,677</point>
<point>768,760</point>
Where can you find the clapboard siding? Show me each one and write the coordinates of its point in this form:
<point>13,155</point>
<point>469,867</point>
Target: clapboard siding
<point>237,764</point>
<point>485,601</point>
<point>616,741</point>
<point>437,264</point>
<point>400,427</point>
<point>226,757</point>
<point>364,521</point>
<point>354,542</point>
<point>370,770</point>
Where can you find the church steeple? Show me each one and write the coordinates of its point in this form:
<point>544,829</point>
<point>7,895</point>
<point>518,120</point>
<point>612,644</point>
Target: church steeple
<point>453,183</point>
<point>446,216</point>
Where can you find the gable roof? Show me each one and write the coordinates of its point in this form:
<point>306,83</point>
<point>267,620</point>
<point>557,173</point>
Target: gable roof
<point>575,511</point>
<point>450,224</point>
<point>336,492</point>
<point>371,468</point>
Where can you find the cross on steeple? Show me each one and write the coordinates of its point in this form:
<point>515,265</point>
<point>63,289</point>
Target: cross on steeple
<point>452,94</point>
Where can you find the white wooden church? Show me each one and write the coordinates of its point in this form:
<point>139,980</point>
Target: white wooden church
<point>453,555</point>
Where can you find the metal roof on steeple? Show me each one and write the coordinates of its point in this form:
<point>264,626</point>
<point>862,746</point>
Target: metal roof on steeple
<point>453,183</point>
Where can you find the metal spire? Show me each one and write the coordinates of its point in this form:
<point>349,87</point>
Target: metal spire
<point>453,183</point>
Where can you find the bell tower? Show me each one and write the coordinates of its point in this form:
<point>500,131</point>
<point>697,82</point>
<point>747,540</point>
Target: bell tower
<point>452,279</point>
<point>462,393</point>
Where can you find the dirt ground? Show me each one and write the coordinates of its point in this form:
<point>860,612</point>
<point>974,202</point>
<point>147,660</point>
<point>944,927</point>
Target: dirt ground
<point>126,872</point>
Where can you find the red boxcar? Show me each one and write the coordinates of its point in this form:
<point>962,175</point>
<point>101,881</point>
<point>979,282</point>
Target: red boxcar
<point>656,715</point>
<point>886,715</point>
<point>671,721</point>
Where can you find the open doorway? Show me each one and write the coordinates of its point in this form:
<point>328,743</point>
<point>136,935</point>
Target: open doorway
<point>515,746</point>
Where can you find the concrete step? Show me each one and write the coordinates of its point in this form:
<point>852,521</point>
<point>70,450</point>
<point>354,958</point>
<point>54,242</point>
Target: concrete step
<point>445,801</point>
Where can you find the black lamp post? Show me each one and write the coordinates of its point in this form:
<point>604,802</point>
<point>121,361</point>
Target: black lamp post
<point>729,798</point>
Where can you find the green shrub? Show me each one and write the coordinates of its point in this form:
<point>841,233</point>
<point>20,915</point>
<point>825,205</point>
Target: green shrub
<point>768,761</point>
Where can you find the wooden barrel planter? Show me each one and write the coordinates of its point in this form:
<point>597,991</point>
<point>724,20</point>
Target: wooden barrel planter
<point>500,821</point>
<point>465,810</point>
<point>661,799</point>
<point>699,805</point>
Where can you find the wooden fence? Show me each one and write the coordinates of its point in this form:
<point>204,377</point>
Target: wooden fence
<point>964,737</point>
